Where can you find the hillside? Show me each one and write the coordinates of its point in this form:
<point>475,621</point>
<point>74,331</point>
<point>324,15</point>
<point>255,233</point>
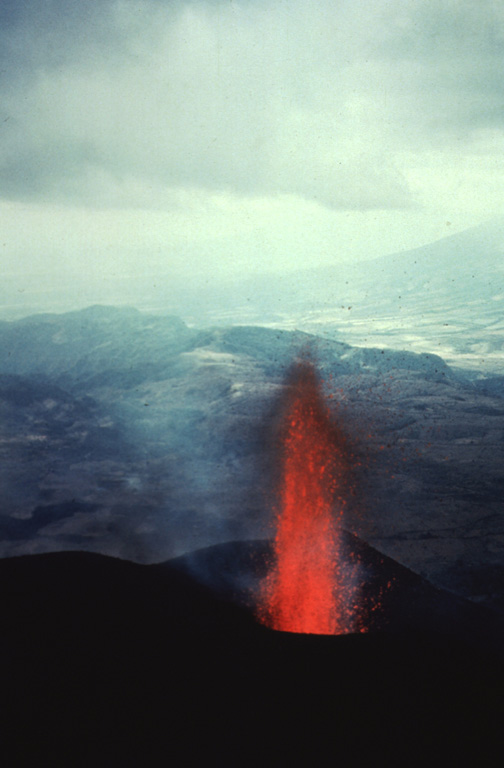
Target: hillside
<point>446,297</point>
<point>137,436</point>
<point>111,663</point>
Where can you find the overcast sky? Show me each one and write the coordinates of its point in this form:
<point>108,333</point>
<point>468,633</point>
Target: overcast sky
<point>221,136</point>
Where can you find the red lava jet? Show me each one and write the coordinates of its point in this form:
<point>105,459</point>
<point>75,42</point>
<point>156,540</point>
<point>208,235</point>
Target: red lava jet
<point>309,588</point>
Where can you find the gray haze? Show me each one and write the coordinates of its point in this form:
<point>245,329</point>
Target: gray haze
<point>161,141</point>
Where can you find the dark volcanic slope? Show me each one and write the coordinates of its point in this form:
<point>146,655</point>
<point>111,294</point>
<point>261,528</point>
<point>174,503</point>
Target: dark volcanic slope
<point>110,663</point>
<point>393,598</point>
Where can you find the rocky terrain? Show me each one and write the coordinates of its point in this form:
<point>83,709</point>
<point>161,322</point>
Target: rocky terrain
<point>137,436</point>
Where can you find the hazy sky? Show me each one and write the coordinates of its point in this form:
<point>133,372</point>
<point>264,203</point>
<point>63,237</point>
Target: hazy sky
<point>215,136</point>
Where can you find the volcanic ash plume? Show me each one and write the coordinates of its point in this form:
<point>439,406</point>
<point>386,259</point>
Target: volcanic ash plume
<point>309,588</point>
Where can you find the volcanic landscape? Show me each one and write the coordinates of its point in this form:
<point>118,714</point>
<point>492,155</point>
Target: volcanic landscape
<point>140,473</point>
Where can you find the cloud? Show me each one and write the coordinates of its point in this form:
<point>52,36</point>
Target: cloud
<point>206,135</point>
<point>448,58</point>
<point>256,99</point>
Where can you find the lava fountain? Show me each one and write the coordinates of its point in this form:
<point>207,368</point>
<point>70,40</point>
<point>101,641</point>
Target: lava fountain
<point>309,587</point>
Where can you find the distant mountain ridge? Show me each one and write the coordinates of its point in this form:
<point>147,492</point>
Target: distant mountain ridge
<point>99,339</point>
<point>90,339</point>
<point>445,297</point>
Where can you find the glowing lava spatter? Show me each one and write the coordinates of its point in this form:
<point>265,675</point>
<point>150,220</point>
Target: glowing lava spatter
<point>305,591</point>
